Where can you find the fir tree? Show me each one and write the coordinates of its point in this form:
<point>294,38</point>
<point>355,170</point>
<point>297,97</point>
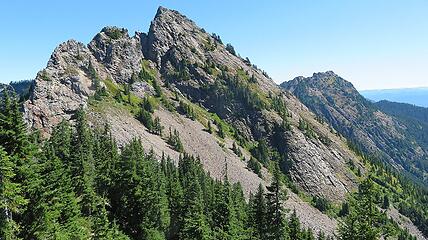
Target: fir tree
<point>294,227</point>
<point>275,212</point>
<point>363,220</point>
<point>11,198</point>
<point>194,220</point>
<point>257,214</point>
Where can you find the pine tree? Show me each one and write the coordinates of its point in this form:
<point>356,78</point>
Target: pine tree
<point>275,211</point>
<point>13,134</point>
<point>220,130</point>
<point>194,220</point>
<point>294,227</point>
<point>257,214</point>
<point>105,157</point>
<point>82,165</point>
<point>363,220</point>
<point>11,198</point>
<point>209,127</point>
<point>157,127</point>
<point>55,209</point>
<point>175,141</point>
<point>175,195</point>
<point>140,197</point>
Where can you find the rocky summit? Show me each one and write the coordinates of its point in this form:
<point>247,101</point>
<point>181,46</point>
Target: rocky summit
<point>182,92</point>
<point>386,136</point>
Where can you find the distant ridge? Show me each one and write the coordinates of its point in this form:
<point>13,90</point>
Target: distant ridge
<point>415,96</point>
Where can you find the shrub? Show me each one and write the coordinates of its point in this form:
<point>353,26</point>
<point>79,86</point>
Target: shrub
<point>254,166</point>
<point>230,49</point>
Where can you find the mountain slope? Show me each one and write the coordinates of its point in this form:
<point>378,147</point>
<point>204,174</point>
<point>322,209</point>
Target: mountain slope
<point>376,132</point>
<point>221,108</point>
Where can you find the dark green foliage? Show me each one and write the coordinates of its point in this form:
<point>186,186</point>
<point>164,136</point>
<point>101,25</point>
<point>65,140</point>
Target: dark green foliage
<point>145,116</point>
<point>275,220</point>
<point>148,104</point>
<point>385,203</point>
<point>363,220</point>
<point>220,130</point>
<point>23,88</point>
<point>96,83</point>
<point>321,203</point>
<point>257,214</point>
<point>261,152</point>
<point>12,200</point>
<point>217,38</point>
<point>157,127</point>
<point>306,128</point>
<point>79,186</point>
<point>255,166</point>
<point>344,210</point>
<point>113,32</point>
<point>187,109</point>
<point>174,141</point>
<point>236,150</point>
<point>158,90</point>
<point>230,49</point>
<point>411,202</point>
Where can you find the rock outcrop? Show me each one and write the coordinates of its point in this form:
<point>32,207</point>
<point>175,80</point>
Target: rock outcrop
<point>382,135</point>
<point>119,53</point>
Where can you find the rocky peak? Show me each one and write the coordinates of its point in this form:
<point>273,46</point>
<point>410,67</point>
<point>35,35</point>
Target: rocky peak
<point>171,29</point>
<point>336,100</point>
<point>327,81</point>
<point>120,53</point>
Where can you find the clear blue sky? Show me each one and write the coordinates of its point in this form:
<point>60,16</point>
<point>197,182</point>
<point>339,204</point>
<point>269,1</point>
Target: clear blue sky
<point>372,43</point>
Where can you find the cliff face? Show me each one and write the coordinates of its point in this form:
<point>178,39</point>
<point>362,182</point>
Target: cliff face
<point>194,67</point>
<point>384,136</point>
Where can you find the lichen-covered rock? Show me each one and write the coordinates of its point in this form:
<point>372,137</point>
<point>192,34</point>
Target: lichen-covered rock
<point>119,53</point>
<point>62,87</point>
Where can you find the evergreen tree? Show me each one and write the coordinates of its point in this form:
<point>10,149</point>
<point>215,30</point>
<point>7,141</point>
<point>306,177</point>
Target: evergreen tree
<point>13,136</point>
<point>257,214</point>
<point>55,209</point>
<point>261,152</point>
<point>194,220</point>
<point>209,127</point>
<point>294,227</point>
<point>157,127</point>
<point>11,198</point>
<point>275,212</point>
<point>363,220</point>
<point>175,141</point>
<point>220,130</point>
<point>82,165</point>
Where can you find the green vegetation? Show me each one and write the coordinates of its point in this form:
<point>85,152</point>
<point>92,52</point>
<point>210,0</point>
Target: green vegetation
<point>230,49</point>
<point>44,75</point>
<point>187,110</point>
<point>77,185</point>
<point>254,166</point>
<point>306,128</point>
<point>174,141</point>
<point>114,33</point>
<point>390,189</point>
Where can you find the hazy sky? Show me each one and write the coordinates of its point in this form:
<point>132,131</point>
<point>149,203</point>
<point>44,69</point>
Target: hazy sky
<point>372,43</point>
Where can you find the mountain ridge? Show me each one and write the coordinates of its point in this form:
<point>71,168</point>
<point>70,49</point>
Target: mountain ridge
<point>199,89</point>
<point>337,101</point>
